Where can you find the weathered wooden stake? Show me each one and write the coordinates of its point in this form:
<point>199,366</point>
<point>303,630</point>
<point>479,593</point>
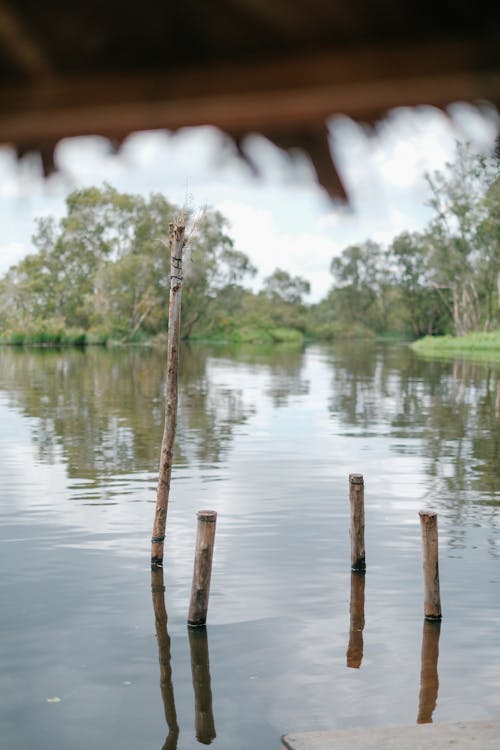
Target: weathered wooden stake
<point>429,678</point>
<point>163,638</point>
<point>200,671</point>
<point>205,537</point>
<point>176,244</point>
<point>354,653</point>
<point>432,600</point>
<point>357,529</point>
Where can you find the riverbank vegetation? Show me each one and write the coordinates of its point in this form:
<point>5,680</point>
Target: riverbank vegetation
<point>480,345</point>
<point>101,274</point>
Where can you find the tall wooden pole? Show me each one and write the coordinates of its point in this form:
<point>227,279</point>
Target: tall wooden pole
<point>176,244</point>
<point>430,564</point>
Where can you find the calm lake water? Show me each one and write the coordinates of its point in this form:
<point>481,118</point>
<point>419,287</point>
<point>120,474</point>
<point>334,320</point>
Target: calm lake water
<point>294,642</point>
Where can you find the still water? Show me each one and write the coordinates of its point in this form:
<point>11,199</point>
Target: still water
<point>93,654</point>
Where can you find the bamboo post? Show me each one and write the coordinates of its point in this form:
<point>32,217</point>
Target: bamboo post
<point>429,678</point>
<point>354,653</point>
<point>163,638</point>
<point>432,600</point>
<point>357,528</point>
<point>202,572</point>
<point>176,244</point>
<point>200,671</point>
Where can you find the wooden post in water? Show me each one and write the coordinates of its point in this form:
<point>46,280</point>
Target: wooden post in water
<point>200,671</point>
<point>357,529</point>
<point>176,244</point>
<point>432,600</point>
<point>200,590</point>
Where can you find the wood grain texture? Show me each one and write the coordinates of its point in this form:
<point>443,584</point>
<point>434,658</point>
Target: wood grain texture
<point>202,573</point>
<point>430,564</point>
<point>357,527</point>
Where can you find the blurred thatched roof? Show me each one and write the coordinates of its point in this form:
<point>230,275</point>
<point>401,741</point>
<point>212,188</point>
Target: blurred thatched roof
<point>277,67</point>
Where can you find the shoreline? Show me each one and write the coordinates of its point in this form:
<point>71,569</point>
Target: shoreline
<point>481,346</point>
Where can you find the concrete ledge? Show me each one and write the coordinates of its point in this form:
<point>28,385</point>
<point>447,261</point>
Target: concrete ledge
<point>464,735</point>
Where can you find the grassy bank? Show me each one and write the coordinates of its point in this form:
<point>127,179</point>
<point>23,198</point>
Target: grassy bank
<point>44,337</point>
<point>482,345</point>
<point>54,335</point>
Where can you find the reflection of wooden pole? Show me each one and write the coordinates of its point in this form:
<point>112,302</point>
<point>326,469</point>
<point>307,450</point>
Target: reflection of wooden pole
<point>200,590</point>
<point>357,609</point>
<point>432,600</point>
<point>429,679</point>
<point>200,670</point>
<point>163,638</point>
<point>357,530</point>
<point>176,242</point>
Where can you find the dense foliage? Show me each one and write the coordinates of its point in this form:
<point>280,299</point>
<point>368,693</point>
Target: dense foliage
<point>103,272</point>
<point>445,279</point>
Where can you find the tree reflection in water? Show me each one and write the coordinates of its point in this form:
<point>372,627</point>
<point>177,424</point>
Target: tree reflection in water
<point>103,408</point>
<point>451,407</point>
<point>102,411</point>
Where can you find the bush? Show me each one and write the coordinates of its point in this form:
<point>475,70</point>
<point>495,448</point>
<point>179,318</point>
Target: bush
<point>481,341</point>
<point>286,335</point>
<point>341,330</point>
<point>47,333</point>
<point>250,335</point>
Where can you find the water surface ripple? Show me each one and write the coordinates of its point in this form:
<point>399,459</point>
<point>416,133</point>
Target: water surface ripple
<point>95,652</point>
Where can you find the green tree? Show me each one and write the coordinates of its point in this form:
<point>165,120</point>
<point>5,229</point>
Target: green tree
<point>127,295</point>
<point>213,273</point>
<point>488,238</point>
<point>463,237</point>
<point>423,309</point>
<point>280,303</point>
<point>362,288</point>
<point>281,287</point>
<point>106,265</point>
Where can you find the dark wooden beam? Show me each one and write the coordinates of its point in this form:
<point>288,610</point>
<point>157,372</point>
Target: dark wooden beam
<point>254,97</point>
<point>288,100</point>
<point>314,142</point>
<point>22,49</point>
<point>283,16</point>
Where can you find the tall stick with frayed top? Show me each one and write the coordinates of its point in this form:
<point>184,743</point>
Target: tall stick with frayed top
<point>176,243</point>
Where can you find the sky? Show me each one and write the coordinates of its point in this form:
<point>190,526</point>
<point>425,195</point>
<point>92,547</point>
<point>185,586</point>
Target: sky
<point>281,218</point>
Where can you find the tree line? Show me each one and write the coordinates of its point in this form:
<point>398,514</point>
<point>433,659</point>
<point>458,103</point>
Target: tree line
<point>102,272</point>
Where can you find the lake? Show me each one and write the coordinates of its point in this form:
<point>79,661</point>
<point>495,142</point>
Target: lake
<point>94,654</point>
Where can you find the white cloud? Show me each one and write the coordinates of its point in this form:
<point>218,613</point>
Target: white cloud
<point>307,253</point>
<point>10,254</point>
<point>282,219</point>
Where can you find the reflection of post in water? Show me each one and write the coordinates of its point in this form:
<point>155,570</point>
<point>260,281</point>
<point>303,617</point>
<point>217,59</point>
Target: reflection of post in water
<point>429,679</point>
<point>163,638</point>
<point>357,610</point>
<point>200,669</point>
